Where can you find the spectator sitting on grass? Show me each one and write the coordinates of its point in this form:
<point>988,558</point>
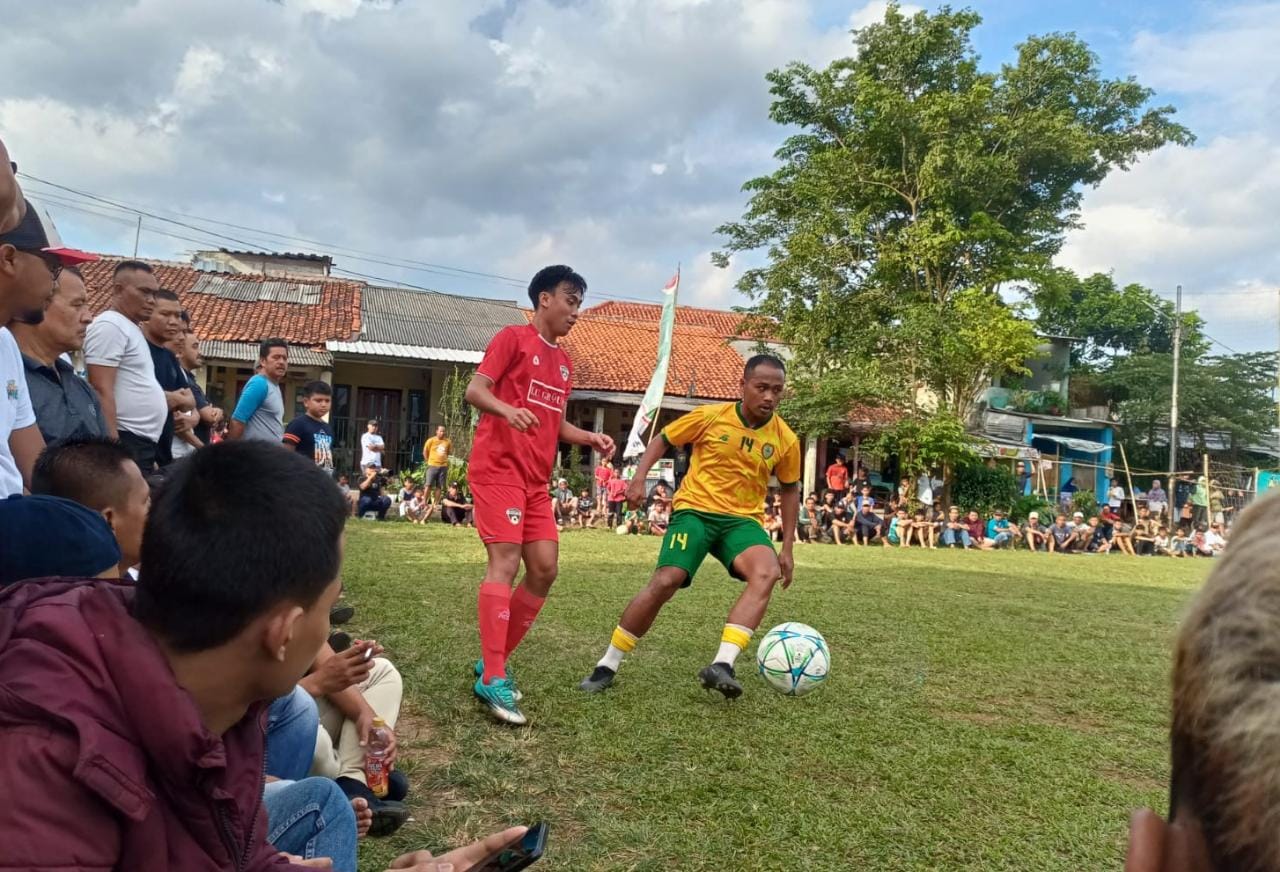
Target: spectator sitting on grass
<point>1035,534</point>
<point>955,531</point>
<point>1122,537</point>
<point>1180,544</point>
<point>999,530</point>
<point>1213,540</point>
<point>372,498</point>
<point>827,517</point>
<point>99,474</point>
<point>899,529</point>
<point>419,508</point>
<point>866,526</point>
<point>172,678</point>
<point>1162,546</point>
<point>807,529</point>
<point>456,508</point>
<point>924,530</point>
<point>772,520</point>
<point>1099,539</point>
<point>659,517</point>
<point>1144,532</point>
<point>352,495</point>
<point>1064,537</point>
<point>586,510</point>
<point>1224,791</point>
<point>977,530</point>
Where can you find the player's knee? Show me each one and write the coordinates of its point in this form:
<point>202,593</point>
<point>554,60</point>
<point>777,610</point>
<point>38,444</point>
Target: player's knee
<point>763,577</point>
<point>666,582</point>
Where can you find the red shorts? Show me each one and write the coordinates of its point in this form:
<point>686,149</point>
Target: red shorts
<point>507,513</point>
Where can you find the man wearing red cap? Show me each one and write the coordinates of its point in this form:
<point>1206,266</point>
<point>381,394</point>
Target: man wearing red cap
<point>31,258</point>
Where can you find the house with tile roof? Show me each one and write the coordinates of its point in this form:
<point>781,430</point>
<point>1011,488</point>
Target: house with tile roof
<point>385,351</point>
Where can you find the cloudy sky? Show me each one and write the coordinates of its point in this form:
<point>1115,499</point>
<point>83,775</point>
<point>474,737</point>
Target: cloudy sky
<point>495,136</point>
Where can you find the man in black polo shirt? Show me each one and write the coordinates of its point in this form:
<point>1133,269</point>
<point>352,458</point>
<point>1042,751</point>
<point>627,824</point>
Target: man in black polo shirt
<point>66,406</point>
<point>165,325</point>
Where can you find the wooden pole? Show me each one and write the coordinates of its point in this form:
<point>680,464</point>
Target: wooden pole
<point>1129,478</point>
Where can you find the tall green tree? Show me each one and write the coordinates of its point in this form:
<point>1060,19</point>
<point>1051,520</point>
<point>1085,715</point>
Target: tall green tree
<point>914,177</point>
<point>1111,320</point>
<point>1227,396</point>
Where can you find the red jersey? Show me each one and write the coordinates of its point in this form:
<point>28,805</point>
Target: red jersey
<point>528,372</point>
<point>616,489</point>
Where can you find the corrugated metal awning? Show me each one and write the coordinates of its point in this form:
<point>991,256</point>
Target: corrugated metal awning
<point>247,352</point>
<point>407,352</point>
<point>1088,446</point>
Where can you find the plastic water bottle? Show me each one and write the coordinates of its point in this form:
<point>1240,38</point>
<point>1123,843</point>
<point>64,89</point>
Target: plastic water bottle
<point>376,769</point>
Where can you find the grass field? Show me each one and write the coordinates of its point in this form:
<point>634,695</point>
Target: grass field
<point>985,711</point>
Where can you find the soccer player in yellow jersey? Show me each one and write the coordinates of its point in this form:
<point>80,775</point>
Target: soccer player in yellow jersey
<point>736,448</point>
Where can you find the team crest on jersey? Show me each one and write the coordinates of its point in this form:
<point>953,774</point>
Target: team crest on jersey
<point>12,389</point>
<point>767,451</point>
<point>536,361</point>
<point>513,515</point>
<point>564,372</point>
<point>724,437</point>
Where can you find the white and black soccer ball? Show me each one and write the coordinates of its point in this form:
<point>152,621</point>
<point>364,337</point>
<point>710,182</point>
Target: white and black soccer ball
<point>793,658</point>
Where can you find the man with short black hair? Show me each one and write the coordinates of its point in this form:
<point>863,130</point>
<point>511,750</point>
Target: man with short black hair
<point>435,452</point>
<point>371,445</point>
<point>65,405</point>
<point>99,474</point>
<point>163,327</point>
<point>158,764</point>
<point>309,434</point>
<point>205,416</point>
<point>259,413</point>
<point>120,366</point>
<point>32,258</point>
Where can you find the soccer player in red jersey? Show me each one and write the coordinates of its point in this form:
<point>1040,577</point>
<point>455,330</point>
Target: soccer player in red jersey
<point>521,388</point>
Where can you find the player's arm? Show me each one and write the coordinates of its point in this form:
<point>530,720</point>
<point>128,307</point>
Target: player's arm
<point>103,381</point>
<point>480,395</point>
<point>253,396</point>
<point>601,442</point>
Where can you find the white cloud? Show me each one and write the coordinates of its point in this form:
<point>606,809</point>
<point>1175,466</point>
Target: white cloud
<point>1202,217</point>
<point>657,168</point>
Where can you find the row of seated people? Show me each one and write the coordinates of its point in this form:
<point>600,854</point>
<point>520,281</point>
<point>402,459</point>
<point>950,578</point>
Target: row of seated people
<point>149,638</point>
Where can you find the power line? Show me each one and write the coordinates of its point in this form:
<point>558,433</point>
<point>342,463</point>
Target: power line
<point>356,254</point>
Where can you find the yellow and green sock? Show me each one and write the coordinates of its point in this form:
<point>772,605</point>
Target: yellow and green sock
<point>621,643</point>
<point>732,642</point>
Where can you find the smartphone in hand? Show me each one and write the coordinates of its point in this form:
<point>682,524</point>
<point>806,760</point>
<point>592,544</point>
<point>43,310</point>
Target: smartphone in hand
<point>519,854</point>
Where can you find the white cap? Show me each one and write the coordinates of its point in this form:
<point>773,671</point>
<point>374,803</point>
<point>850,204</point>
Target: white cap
<point>1033,516</point>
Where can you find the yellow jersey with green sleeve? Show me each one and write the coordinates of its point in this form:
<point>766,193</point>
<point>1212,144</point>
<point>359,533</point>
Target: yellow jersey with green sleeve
<point>730,461</point>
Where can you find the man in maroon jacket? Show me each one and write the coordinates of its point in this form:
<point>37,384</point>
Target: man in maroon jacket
<point>132,718</point>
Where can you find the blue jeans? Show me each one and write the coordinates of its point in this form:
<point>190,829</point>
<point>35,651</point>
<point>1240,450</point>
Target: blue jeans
<point>312,818</point>
<point>949,537</point>
<point>292,722</point>
<point>373,504</point>
<point>1003,539</point>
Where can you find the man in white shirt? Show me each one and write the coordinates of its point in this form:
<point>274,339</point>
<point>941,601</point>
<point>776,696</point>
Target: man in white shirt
<point>120,366</point>
<point>371,446</point>
<point>31,259</point>
<point>1115,497</point>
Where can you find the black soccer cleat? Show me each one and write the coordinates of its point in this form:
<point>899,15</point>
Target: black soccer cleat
<point>341,613</point>
<point>719,676</point>
<point>600,678</point>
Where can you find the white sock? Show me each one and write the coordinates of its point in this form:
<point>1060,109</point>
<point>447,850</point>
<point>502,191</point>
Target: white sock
<point>612,658</point>
<point>729,650</point>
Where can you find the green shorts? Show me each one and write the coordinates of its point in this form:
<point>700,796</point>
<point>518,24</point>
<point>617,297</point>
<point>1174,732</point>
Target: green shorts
<point>693,535</point>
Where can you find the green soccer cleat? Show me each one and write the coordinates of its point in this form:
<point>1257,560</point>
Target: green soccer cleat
<point>600,678</point>
<point>511,676</point>
<point>719,676</point>
<point>499,696</point>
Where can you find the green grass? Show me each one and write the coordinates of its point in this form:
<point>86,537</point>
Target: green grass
<point>984,711</point>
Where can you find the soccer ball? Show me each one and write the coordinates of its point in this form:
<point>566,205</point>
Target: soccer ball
<point>793,658</point>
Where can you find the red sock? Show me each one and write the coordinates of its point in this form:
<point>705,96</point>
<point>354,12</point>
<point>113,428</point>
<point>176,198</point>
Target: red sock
<point>495,616</point>
<point>524,610</point>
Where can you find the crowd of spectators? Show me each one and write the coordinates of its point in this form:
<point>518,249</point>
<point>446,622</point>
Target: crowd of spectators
<point>152,627</point>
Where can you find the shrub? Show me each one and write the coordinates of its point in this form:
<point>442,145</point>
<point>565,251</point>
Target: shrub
<point>1085,502</point>
<point>1025,505</point>
<point>982,489</point>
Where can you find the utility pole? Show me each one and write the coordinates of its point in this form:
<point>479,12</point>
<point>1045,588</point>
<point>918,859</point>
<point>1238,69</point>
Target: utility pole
<point>136,236</point>
<point>1173,404</point>
<point>1278,390</point>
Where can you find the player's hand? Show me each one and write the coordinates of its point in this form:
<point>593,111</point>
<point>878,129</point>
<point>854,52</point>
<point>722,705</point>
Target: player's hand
<point>341,671</point>
<point>635,493</point>
<point>364,725</point>
<point>522,419</point>
<point>459,859</point>
<point>787,563</point>
<point>603,443</point>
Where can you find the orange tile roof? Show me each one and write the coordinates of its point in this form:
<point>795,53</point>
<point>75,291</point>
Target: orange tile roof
<point>615,353</point>
<point>335,317</point>
<point>719,321</point>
